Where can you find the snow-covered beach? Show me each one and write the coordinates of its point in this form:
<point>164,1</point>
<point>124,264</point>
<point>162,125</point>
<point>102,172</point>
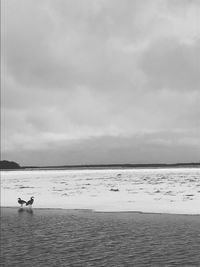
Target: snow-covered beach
<point>173,190</point>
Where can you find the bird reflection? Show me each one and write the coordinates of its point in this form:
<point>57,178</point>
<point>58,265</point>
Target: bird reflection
<point>20,210</point>
<point>27,210</point>
<point>30,211</point>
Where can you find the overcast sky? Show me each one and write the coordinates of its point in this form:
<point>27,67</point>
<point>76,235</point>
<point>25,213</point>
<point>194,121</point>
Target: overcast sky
<point>100,81</point>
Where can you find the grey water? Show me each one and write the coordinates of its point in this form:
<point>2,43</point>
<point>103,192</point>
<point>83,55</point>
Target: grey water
<point>47,237</point>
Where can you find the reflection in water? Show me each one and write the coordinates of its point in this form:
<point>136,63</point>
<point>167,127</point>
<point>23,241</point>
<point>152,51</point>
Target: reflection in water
<point>27,210</point>
<point>30,211</point>
<point>20,210</point>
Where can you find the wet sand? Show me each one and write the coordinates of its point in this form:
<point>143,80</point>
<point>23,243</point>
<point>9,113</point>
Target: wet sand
<point>58,237</point>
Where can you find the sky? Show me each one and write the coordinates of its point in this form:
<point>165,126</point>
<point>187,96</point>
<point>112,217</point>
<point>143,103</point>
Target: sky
<point>100,81</point>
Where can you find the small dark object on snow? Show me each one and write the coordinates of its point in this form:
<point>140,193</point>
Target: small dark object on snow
<point>114,190</point>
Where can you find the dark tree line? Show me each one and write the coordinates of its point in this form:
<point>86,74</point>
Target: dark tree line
<point>5,164</point>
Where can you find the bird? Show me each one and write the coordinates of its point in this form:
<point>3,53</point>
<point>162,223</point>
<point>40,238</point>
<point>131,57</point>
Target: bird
<point>21,202</point>
<point>30,202</point>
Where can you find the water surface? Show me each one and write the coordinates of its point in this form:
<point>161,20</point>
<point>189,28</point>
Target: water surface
<point>43,237</point>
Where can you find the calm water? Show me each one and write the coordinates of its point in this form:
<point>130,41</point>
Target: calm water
<point>85,238</point>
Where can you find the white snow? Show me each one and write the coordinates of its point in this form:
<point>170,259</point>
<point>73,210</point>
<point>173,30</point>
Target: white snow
<point>146,190</point>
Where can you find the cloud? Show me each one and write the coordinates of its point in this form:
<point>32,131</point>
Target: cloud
<point>172,65</point>
<point>77,73</point>
<point>146,148</point>
<point>61,45</point>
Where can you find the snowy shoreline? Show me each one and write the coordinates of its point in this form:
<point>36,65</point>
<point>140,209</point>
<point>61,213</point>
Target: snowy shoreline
<point>169,191</point>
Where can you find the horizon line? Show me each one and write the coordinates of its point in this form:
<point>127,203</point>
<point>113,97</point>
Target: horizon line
<point>114,165</point>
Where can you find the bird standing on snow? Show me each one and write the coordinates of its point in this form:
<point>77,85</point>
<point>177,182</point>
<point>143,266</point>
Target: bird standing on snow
<point>21,202</point>
<point>30,202</point>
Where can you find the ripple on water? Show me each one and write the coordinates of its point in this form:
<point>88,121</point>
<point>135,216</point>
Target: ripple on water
<point>85,238</point>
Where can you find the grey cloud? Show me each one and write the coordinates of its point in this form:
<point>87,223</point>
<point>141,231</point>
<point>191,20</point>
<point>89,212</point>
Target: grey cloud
<point>170,64</point>
<point>84,76</point>
<point>137,149</point>
<point>62,45</point>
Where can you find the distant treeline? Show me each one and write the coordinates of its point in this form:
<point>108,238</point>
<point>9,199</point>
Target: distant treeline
<point>5,164</point>
<point>117,166</point>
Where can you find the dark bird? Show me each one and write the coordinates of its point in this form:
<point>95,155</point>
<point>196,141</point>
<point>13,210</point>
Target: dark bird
<point>21,202</point>
<point>30,202</point>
